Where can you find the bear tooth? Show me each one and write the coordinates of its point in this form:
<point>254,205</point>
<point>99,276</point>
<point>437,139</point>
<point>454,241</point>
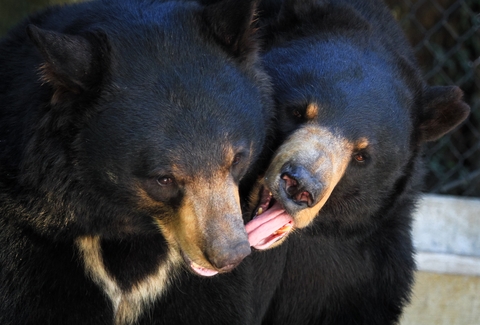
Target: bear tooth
<point>260,211</point>
<point>283,229</point>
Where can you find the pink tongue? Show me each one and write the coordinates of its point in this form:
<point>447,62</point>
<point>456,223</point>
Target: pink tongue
<point>261,229</point>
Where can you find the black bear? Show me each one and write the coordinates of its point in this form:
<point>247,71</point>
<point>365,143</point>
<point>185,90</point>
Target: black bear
<point>353,114</point>
<point>125,128</point>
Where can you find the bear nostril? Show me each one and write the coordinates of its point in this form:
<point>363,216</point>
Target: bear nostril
<point>300,186</point>
<point>294,191</point>
<point>291,184</point>
<point>305,196</point>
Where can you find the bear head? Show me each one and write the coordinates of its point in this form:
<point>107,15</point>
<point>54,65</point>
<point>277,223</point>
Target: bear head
<point>144,118</point>
<point>353,114</point>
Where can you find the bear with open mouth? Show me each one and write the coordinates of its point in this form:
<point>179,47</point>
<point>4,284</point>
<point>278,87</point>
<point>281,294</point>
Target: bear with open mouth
<point>334,207</point>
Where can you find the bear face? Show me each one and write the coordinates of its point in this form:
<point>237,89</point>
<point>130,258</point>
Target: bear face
<point>353,113</point>
<point>187,154</point>
<point>353,135</point>
<point>136,124</point>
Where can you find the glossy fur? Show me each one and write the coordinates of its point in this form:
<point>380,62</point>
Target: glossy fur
<point>125,129</point>
<point>350,260</point>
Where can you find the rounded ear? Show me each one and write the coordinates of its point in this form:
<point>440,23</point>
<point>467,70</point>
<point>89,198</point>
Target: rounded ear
<point>232,24</point>
<point>444,109</point>
<point>71,63</point>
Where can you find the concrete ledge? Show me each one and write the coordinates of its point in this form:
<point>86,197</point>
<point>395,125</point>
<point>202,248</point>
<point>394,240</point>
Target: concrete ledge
<point>444,299</point>
<point>447,225</point>
<point>446,234</point>
<point>448,264</point>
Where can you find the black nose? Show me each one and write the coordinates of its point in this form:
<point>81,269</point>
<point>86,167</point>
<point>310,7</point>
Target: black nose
<point>300,186</point>
<point>228,259</point>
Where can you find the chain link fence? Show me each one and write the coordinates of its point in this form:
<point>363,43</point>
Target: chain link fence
<point>445,35</point>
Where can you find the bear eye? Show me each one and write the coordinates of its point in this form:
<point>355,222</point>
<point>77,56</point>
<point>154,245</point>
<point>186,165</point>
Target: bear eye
<point>165,181</point>
<point>296,113</point>
<point>360,157</point>
<point>236,159</point>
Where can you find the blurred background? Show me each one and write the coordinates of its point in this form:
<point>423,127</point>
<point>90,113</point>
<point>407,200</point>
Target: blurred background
<point>445,35</point>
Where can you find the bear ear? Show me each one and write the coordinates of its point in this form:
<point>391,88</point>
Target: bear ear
<point>300,8</point>
<point>324,14</point>
<point>68,59</point>
<point>444,109</point>
<point>232,24</point>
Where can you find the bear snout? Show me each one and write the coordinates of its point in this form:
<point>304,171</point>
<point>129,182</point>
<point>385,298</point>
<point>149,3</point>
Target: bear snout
<point>225,259</point>
<point>300,186</point>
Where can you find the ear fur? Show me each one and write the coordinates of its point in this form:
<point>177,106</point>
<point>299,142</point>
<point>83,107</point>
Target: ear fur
<point>297,18</point>
<point>301,8</point>
<point>231,22</point>
<point>444,109</point>
<point>69,60</point>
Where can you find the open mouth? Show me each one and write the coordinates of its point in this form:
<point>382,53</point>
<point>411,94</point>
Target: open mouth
<point>270,223</point>
<point>198,269</point>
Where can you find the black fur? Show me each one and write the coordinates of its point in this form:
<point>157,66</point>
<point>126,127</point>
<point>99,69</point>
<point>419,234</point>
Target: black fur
<point>108,110</point>
<point>354,264</point>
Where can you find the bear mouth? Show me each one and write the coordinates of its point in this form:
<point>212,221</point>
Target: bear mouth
<point>270,223</point>
<point>198,269</point>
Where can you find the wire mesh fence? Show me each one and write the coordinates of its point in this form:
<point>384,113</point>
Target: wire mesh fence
<point>445,35</point>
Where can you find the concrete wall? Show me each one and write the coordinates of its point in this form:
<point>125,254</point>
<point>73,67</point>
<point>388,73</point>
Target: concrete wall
<point>448,225</point>
<point>447,237</point>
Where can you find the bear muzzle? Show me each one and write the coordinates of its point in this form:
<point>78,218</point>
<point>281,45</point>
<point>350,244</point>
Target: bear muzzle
<point>225,259</point>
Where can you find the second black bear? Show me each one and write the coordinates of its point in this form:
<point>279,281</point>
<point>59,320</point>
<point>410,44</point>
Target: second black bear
<point>353,114</point>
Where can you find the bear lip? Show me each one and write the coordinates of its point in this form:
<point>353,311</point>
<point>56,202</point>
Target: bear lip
<point>198,269</point>
<point>203,271</point>
<point>270,224</point>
